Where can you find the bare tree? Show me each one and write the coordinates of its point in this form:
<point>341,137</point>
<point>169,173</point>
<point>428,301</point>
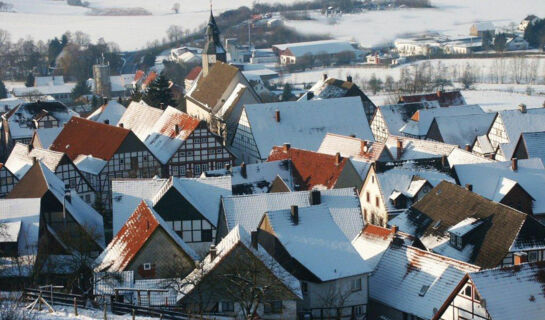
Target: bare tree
<point>175,33</point>
<point>176,7</point>
<point>334,299</point>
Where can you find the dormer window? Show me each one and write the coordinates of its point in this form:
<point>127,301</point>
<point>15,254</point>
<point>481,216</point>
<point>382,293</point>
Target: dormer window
<point>456,241</point>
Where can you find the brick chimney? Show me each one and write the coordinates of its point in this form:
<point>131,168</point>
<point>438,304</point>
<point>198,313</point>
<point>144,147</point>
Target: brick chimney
<point>177,129</point>
<point>107,121</point>
<point>277,115</point>
<point>254,239</point>
<point>520,258</point>
<point>338,158</point>
<point>162,106</point>
<point>213,252</point>
<point>399,148</point>
<point>349,79</point>
<point>121,125</point>
<point>324,76</point>
<point>469,187</point>
<point>468,148</point>
<point>310,95</point>
<point>514,164</point>
<point>243,171</point>
<point>394,229</point>
<point>315,197</point>
<point>294,211</point>
<point>286,147</point>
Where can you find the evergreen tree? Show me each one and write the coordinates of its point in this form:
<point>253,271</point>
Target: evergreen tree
<point>55,47</point>
<point>499,42</point>
<point>3,90</point>
<point>159,92</point>
<point>535,34</point>
<point>287,95</point>
<point>136,94</point>
<point>94,102</point>
<point>80,89</point>
<point>29,80</point>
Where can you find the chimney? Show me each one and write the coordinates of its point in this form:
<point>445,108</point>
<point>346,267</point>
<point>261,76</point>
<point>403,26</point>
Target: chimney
<point>443,161</point>
<point>310,95</point>
<point>338,158</point>
<point>121,125</point>
<point>469,187</point>
<point>514,164</point>
<point>254,239</point>
<point>324,76</point>
<point>294,215</point>
<point>522,108</point>
<point>228,167</point>
<point>394,229</point>
<point>162,106</point>
<point>34,160</point>
<point>349,79</point>
<point>315,197</point>
<point>107,121</point>
<point>177,129</point>
<point>287,147</point>
<point>277,115</point>
<point>520,258</point>
<point>468,148</point>
<point>439,93</point>
<point>213,252</point>
<point>243,171</point>
<point>399,148</point>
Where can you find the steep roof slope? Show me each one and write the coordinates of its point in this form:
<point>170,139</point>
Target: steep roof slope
<point>209,89</point>
<point>140,118</point>
<point>86,137</point>
<point>535,144</point>
<point>462,130</point>
<point>517,122</point>
<point>111,112</point>
<point>20,159</point>
<point>396,116</point>
<point>356,148</point>
<point>413,149</point>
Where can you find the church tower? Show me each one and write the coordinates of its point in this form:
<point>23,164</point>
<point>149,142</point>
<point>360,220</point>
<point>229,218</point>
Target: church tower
<point>213,50</point>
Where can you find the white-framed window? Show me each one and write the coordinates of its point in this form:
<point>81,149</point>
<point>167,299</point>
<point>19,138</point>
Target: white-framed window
<point>227,306</point>
<point>356,284</point>
<point>532,256</point>
<point>147,266</point>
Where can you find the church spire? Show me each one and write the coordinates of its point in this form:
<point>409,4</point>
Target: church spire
<point>213,49</point>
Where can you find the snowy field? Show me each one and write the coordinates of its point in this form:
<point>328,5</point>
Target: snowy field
<point>44,19</point>
<point>449,17</point>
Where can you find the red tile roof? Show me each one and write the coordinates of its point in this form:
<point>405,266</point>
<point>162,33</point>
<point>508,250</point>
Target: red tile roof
<point>312,169</point>
<point>139,75</point>
<point>445,99</point>
<point>183,120</point>
<point>149,79</point>
<point>194,73</point>
<point>377,231</point>
<point>82,136</point>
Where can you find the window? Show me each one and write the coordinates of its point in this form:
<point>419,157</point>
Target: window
<point>147,266</point>
<point>358,310</point>
<point>197,169</point>
<point>304,287</point>
<point>196,231</point>
<point>372,179</point>
<point>459,242</point>
<point>273,306</point>
<point>177,225</point>
<point>368,195</point>
<point>532,256</point>
<point>467,291</point>
<point>365,214</point>
<point>377,202</point>
<point>227,306</point>
<point>356,284</point>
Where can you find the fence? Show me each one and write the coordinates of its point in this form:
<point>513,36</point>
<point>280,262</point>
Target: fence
<point>53,297</point>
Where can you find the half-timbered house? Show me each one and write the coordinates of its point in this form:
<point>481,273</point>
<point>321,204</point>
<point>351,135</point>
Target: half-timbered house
<point>7,180</point>
<point>530,145</point>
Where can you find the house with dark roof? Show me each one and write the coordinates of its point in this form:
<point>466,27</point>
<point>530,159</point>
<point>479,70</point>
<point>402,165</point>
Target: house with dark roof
<point>239,278</point>
<point>308,243</point>
<point>191,76</point>
<point>103,152</point>
<point>19,123</point>
<point>390,119</point>
<point>409,283</point>
<point>498,294</point>
<point>184,145</point>
<point>531,145</point>
<point>23,157</point>
<point>313,170</point>
<point>302,124</point>
<point>149,247</point>
<point>444,98</point>
<point>455,222</point>
<point>46,223</point>
<point>328,88</point>
<point>391,188</point>
<point>7,180</point>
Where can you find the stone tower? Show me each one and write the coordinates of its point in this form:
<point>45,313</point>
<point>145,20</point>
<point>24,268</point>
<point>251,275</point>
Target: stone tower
<point>213,49</point>
<point>101,75</point>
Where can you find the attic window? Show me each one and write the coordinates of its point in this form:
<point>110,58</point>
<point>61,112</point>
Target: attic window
<point>423,290</point>
<point>147,266</point>
<point>456,241</point>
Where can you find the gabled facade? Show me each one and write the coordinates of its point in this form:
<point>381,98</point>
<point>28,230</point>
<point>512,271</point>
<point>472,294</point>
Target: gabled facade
<point>530,145</point>
<point>23,157</point>
<point>103,152</point>
<point>7,180</point>
<point>149,247</point>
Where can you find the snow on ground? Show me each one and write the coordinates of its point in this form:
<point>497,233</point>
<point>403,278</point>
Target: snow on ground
<point>450,17</point>
<point>67,313</point>
<point>496,101</point>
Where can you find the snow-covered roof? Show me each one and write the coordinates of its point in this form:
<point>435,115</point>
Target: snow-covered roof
<point>304,124</point>
<point>248,210</point>
<point>407,179</point>
<point>512,292</point>
<point>162,139</point>
<point>259,176</point>
<point>26,213</point>
<point>90,164</point>
<point>140,118</point>
<point>47,136</point>
<point>443,98</point>
<point>20,159</point>
<point>317,242</point>
<point>20,119</point>
<point>44,90</point>
<point>127,195</point>
<point>420,122</point>
<point>232,100</point>
<point>132,237</point>
<point>534,143</point>
<point>239,236</point>
<point>413,149</point>
<point>464,129</point>
<point>484,26</point>
<point>355,148</point>
<point>110,112</point>
<point>203,193</point>
<point>493,180</point>
<point>396,116</point>
<point>414,281</point>
<point>316,47</point>
<point>459,156</point>
<point>7,104</point>
<point>485,144</point>
<point>372,242</point>
<point>517,122</point>
<point>48,81</point>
